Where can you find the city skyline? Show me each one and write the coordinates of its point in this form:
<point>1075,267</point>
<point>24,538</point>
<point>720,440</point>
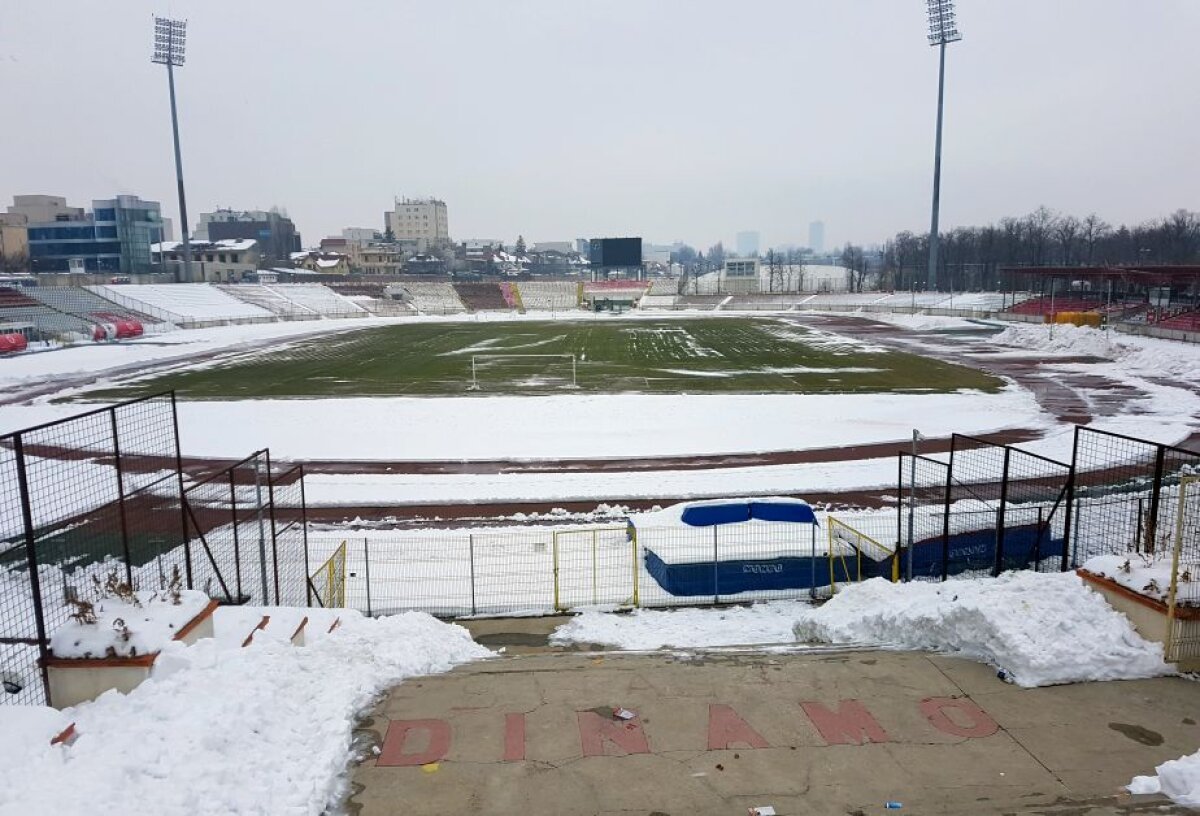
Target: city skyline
<point>1056,127</point>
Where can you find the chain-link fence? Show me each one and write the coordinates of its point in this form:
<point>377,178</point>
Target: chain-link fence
<point>81,498</point>
<point>921,521</point>
<point>1126,495</point>
<point>247,546</point>
<point>102,495</point>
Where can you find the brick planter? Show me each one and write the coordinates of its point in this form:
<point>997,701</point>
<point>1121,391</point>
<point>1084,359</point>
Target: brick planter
<point>77,680</point>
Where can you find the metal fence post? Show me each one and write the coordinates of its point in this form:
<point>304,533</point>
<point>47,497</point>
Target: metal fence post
<point>471,549</point>
<point>274,531</point>
<point>1069,519</point>
<point>262,531</point>
<point>304,532</point>
<point>237,555</point>
<point>183,515</point>
<point>946,519</point>
<point>367,569</point>
<point>554,555</point>
<point>1000,516</point>
<point>899,501</point>
<point>716,568</point>
<point>35,581</point>
<point>1155,496</point>
<point>112,415</point>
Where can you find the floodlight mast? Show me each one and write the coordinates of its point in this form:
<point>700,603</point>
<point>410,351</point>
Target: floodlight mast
<point>170,38</point>
<point>942,30</point>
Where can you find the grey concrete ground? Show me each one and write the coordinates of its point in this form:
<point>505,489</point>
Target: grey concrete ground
<point>532,732</point>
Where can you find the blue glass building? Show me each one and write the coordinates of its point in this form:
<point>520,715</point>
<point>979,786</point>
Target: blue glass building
<point>115,238</point>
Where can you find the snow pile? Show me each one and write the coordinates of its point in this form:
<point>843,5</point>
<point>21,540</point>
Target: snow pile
<point>685,628</point>
<point>1138,356</point>
<point>1179,779</point>
<point>1040,629</point>
<point>27,731</point>
<point>1146,575</point>
<point>1075,341</point>
<point>142,624</point>
<point>265,729</point>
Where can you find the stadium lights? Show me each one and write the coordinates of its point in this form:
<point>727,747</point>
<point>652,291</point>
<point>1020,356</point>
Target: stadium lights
<point>943,29</point>
<point>170,49</point>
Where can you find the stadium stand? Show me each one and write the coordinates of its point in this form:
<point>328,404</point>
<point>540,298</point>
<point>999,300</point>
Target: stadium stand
<point>26,315</point>
<point>1185,321</point>
<point>480,297</point>
<point>319,299</point>
<point>658,301</point>
<point>11,297</point>
<point>84,304</point>
<point>268,299</point>
<point>1059,303</point>
<point>383,307</point>
<point>512,297</point>
<point>372,289</point>
<point>615,286</point>
<point>185,304</point>
<point>664,286</point>
<point>702,302</point>
<point>432,297</point>
<point>545,296</point>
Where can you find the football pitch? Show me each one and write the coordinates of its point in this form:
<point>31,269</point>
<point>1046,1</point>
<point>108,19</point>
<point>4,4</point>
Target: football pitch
<point>701,355</point>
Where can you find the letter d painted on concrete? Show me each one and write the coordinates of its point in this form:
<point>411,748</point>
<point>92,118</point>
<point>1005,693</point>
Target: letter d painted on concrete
<point>437,743</point>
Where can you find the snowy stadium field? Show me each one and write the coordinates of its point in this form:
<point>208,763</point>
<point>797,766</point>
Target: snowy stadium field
<point>647,355</point>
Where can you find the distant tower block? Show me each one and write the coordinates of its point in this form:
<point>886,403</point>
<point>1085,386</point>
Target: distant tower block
<point>816,236</point>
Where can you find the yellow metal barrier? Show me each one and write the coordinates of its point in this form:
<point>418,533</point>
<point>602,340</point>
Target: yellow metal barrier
<point>331,578</point>
<point>860,541</point>
<point>1181,642</point>
<point>590,569</point>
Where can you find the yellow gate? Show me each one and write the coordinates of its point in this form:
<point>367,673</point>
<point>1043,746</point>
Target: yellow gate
<point>1183,597</point>
<point>328,583</point>
<point>595,566</point>
<point>848,546</point>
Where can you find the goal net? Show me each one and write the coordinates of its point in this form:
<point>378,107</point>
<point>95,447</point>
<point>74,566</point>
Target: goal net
<point>518,372</point>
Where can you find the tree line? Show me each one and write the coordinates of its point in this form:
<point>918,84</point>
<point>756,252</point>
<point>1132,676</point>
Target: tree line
<point>970,258</point>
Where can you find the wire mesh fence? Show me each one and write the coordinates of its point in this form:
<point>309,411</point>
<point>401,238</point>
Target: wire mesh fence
<point>247,532</point>
<point>921,521</point>
<point>101,494</point>
<point>80,498</point>
<point>1183,597</point>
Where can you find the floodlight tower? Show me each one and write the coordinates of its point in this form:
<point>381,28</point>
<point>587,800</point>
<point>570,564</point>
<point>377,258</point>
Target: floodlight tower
<point>942,31</point>
<point>169,40</point>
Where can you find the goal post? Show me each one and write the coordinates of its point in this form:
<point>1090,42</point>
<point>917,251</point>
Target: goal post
<point>480,362</point>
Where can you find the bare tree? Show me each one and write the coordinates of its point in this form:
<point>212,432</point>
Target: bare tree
<point>14,262</point>
<point>1092,230</point>
<point>1066,232</point>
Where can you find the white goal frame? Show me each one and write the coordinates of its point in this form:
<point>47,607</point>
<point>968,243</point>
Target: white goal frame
<point>474,357</point>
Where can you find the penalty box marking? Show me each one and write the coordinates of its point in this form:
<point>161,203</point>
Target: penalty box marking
<point>411,743</point>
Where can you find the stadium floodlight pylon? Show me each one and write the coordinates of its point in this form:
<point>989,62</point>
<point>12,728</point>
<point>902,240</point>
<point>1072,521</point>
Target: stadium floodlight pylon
<point>476,359</point>
<point>170,48</point>
<point>943,30</point>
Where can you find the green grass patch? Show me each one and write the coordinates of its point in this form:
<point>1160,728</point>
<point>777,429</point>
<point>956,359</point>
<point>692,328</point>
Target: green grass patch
<point>713,355</point>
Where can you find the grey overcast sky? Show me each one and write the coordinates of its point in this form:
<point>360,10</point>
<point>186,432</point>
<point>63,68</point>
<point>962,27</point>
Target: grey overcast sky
<point>556,119</point>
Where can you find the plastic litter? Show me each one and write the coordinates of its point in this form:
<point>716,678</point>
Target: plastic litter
<point>765,810</point>
<point>892,805</point>
<point>623,714</point>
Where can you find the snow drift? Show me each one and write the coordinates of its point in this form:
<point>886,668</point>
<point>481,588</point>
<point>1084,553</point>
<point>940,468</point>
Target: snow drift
<point>1179,779</point>
<point>1039,629</point>
<point>265,729</point>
